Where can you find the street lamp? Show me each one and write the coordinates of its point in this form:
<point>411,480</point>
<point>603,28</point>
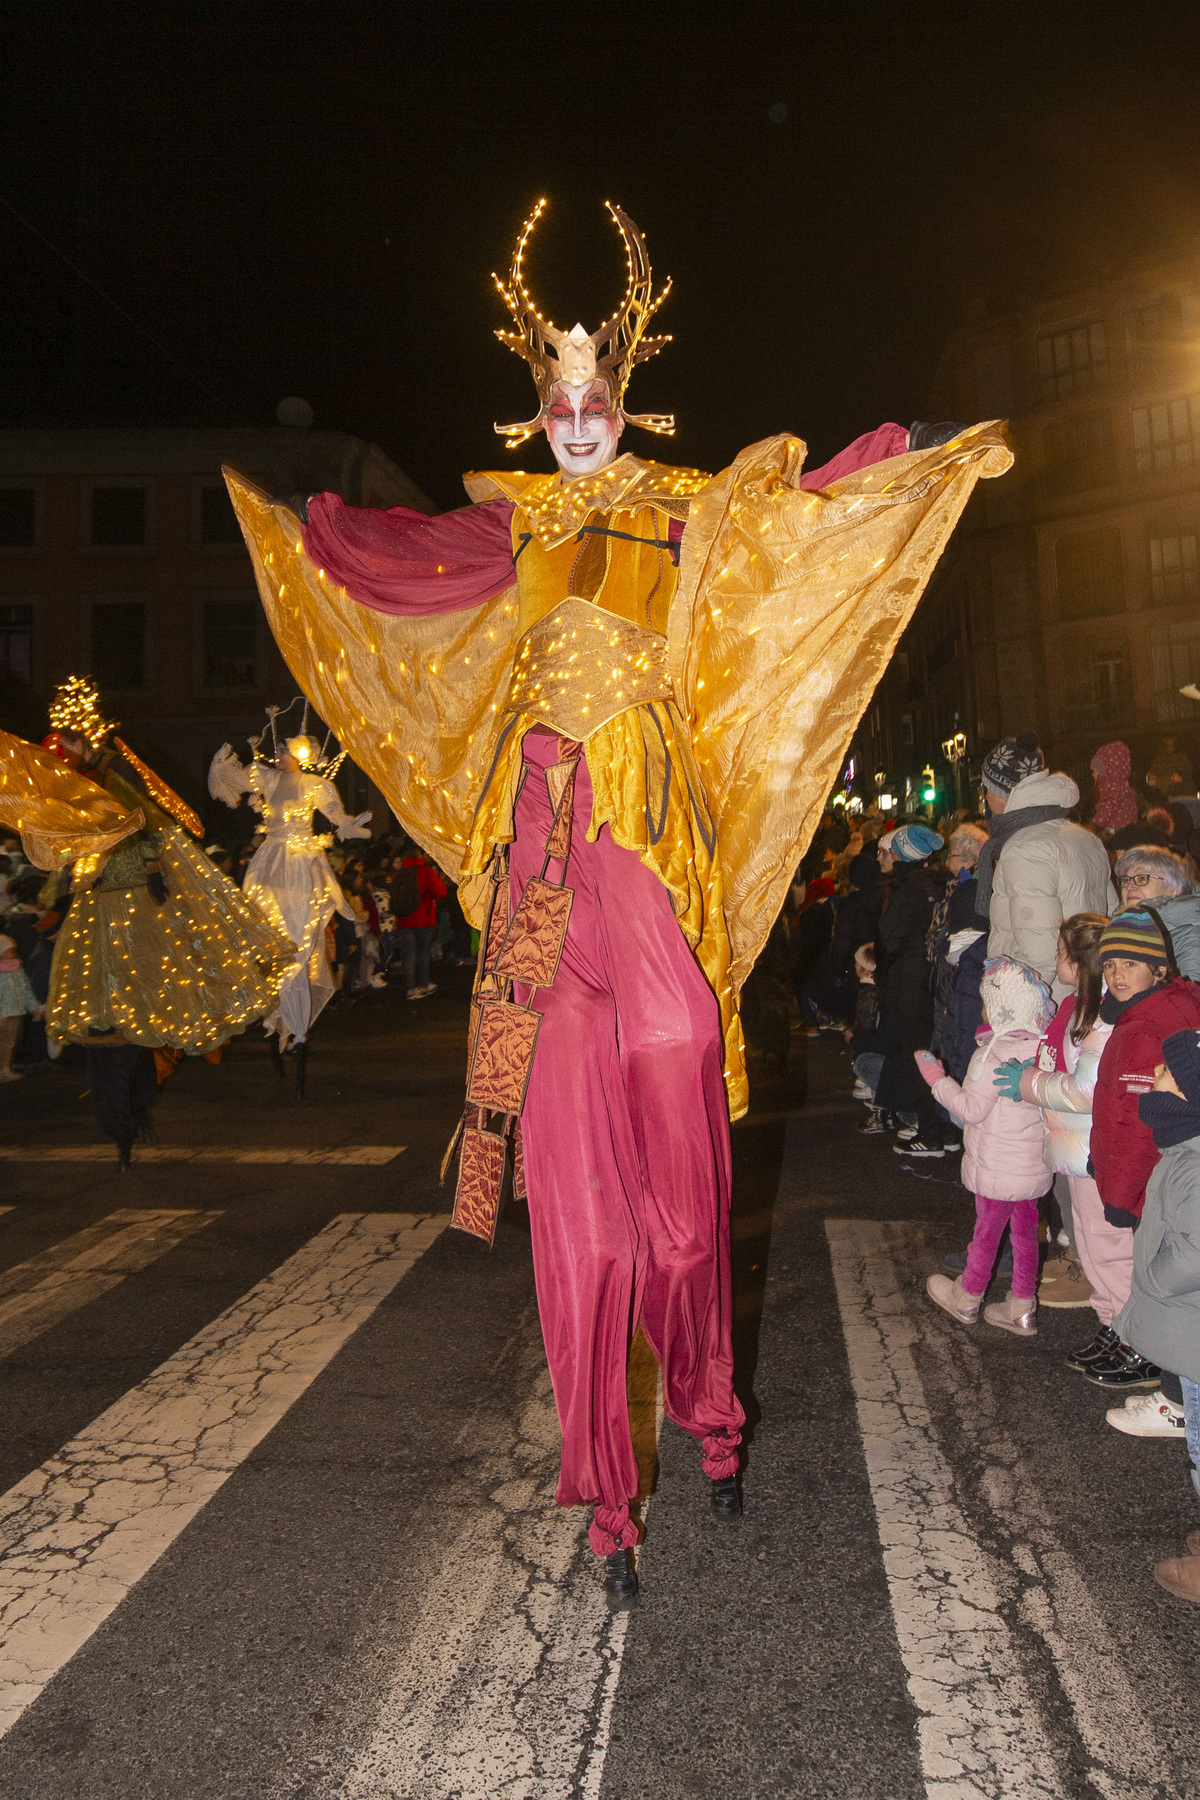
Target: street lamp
<point>954,749</point>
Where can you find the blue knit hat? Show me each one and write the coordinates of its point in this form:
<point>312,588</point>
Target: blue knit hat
<point>911,843</point>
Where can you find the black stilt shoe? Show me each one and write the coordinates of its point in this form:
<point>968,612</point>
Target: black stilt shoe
<point>276,1055</point>
<point>124,1155</point>
<point>620,1581</point>
<point>301,1054</point>
<point>726,1501</point>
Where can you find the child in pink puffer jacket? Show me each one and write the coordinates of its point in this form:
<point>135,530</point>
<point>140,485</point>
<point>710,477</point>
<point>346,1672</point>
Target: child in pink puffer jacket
<point>1003,1162</point>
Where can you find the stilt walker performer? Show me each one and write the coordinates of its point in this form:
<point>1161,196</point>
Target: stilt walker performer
<point>159,949</point>
<point>611,702</point>
<point>289,874</point>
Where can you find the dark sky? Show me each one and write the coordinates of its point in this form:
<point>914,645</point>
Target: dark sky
<point>304,199</point>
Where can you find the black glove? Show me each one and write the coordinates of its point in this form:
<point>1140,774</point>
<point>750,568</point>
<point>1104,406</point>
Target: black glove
<point>924,436</point>
<point>157,886</point>
<point>297,502</point>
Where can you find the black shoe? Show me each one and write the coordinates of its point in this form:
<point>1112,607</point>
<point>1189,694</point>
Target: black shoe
<point>124,1154</point>
<point>726,1501</point>
<point>879,1123</point>
<point>918,1147</point>
<point>276,1054</point>
<point>1099,1350</point>
<point>620,1581</point>
<point>146,1130</point>
<point>300,1052</point>
<point>1124,1371</point>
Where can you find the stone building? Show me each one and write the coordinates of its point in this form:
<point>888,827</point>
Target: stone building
<point>1067,601</point>
<point>120,557</point>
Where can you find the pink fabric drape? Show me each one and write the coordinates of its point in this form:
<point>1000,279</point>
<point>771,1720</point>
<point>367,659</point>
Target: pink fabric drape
<point>405,562</point>
<point>627,1163</point>
<point>1116,802</point>
<point>872,447</point>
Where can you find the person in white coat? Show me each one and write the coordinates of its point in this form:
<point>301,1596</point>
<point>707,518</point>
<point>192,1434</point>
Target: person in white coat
<point>289,874</point>
<point>1037,867</point>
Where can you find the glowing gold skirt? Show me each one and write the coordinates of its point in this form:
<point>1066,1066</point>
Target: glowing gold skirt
<point>185,975</point>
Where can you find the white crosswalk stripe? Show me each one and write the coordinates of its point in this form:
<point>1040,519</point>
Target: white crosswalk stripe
<point>48,1287</point>
<point>81,1530</point>
<point>961,1610</point>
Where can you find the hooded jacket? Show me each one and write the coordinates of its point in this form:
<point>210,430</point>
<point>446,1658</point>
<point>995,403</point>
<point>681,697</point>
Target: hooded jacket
<point>1063,1084</point>
<point>1162,1316</point>
<point>902,962</point>
<point>1123,1151</point>
<point>1181,916</point>
<point>1043,875</point>
<point>1116,802</point>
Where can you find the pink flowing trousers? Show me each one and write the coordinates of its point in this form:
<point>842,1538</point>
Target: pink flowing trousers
<point>627,1160</point>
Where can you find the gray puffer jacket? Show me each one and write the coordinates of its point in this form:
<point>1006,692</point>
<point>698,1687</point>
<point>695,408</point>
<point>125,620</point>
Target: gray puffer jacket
<point>1162,1317</point>
<point>1043,875</point>
<point>1181,916</point>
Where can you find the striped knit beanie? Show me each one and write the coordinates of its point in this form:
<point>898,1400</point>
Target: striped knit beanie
<point>1136,936</point>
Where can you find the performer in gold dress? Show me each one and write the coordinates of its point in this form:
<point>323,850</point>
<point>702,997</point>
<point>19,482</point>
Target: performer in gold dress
<point>159,949</point>
<point>611,703</point>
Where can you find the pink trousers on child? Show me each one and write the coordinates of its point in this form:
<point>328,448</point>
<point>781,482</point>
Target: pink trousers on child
<point>627,1163</point>
<point>991,1216</point>
<point>1106,1251</point>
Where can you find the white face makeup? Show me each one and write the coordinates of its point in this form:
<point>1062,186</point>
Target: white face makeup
<point>582,427</point>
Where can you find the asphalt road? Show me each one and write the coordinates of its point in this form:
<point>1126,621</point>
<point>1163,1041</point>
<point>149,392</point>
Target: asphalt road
<point>278,1460</point>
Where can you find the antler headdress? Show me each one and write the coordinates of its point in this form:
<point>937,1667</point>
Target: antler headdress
<point>575,356</point>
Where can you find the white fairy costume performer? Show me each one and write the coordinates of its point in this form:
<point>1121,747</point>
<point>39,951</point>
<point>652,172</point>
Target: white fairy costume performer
<point>289,874</point>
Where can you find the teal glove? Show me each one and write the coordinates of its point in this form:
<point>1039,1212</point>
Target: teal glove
<point>1008,1077</point>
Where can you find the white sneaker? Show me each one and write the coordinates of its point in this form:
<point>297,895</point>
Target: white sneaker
<point>1148,1415</point>
<point>907,1133</point>
<point>862,1091</point>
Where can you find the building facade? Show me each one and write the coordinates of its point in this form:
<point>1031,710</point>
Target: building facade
<point>120,557</point>
<point>1067,602</point>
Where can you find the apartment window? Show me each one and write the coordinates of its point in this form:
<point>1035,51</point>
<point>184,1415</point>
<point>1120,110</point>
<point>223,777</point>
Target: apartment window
<point>1097,683</point>
<point>118,643</point>
<point>1173,568</point>
<point>1072,361</point>
<point>1164,437</point>
<point>906,730</point>
<point>1154,332</point>
<point>16,640</point>
<point>217,522</point>
<point>119,518</point>
<point>229,649</point>
<point>18,518</point>
<point>1175,651</point>
<point>1080,453</point>
<point>1091,577</point>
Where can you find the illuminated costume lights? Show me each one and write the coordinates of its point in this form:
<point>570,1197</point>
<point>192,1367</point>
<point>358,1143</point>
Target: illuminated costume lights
<point>611,703</point>
<point>289,874</point>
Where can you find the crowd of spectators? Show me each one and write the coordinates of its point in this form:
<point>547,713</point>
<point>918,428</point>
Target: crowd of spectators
<point>1022,987</point>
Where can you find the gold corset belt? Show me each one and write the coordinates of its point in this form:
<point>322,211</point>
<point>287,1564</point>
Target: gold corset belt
<point>580,666</point>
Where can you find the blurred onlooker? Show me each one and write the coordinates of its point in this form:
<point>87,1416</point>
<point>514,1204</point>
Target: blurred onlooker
<point>1116,802</point>
<point>959,953</point>
<point>904,976</point>
<point>1171,772</point>
<point>414,927</point>
<point>16,1002</point>
<point>1037,867</point>
<point>812,933</point>
<point>1149,876</point>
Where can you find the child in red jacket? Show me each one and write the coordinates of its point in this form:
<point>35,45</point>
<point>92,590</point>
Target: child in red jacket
<point>1147,1000</point>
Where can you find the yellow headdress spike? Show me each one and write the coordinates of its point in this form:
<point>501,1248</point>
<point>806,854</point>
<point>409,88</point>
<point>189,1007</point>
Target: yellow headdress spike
<point>75,711</point>
<point>575,355</point>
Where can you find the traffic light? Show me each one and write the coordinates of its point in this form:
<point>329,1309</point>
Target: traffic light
<point>929,794</point>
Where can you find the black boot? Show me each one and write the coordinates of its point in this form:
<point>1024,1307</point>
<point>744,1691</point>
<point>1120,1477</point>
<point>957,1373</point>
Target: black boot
<point>620,1581</point>
<point>1101,1346</point>
<point>301,1055</point>
<point>124,1154</point>
<point>276,1055</point>
<point>1123,1371</point>
<point>726,1500</point>
<point>146,1131</point>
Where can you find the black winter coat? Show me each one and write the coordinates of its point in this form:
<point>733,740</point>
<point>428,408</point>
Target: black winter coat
<point>856,923</point>
<point>902,965</point>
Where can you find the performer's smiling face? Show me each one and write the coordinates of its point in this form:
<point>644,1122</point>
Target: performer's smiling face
<point>583,427</point>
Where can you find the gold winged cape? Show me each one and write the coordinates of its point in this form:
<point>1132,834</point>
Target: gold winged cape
<point>787,607</point>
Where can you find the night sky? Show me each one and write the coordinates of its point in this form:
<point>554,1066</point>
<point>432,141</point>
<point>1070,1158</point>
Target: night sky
<point>303,199</point>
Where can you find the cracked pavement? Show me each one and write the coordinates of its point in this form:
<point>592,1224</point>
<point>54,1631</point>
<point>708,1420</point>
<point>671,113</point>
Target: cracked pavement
<point>276,1497</point>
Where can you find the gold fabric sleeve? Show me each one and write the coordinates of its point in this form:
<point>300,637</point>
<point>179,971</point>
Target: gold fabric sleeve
<point>415,700</point>
<point>60,814</point>
<point>790,604</point>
